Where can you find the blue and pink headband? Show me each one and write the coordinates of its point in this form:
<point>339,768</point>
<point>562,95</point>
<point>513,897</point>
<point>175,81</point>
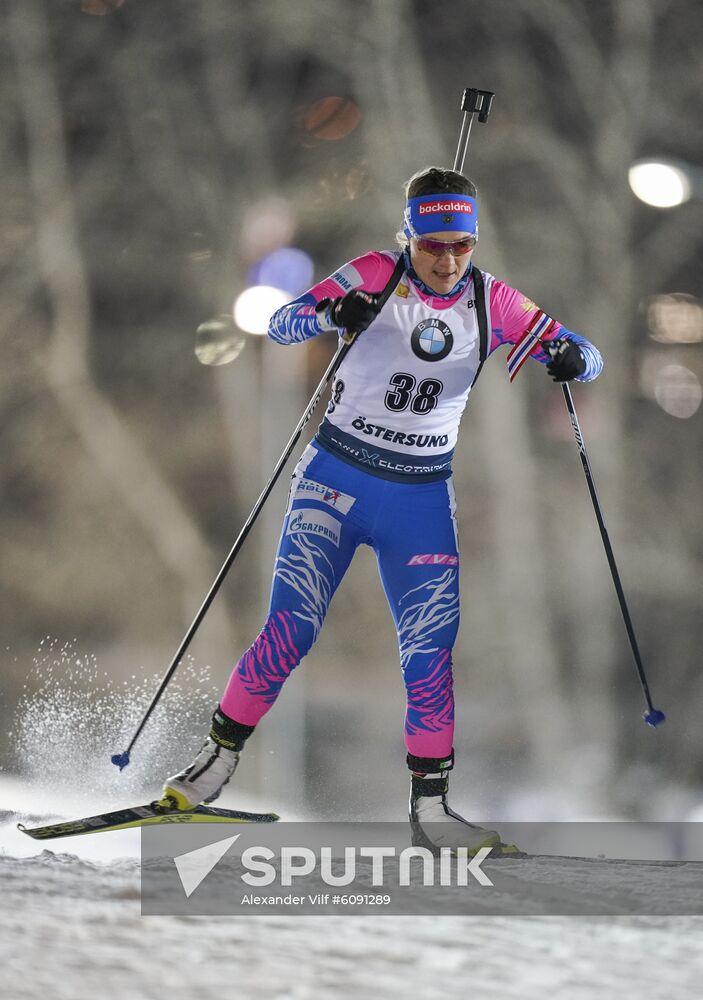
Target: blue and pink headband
<point>432,213</point>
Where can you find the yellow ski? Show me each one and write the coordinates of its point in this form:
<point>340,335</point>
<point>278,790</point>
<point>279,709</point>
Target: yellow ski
<point>147,815</point>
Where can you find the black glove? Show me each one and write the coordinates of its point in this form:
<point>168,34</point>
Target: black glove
<point>567,360</point>
<point>353,312</point>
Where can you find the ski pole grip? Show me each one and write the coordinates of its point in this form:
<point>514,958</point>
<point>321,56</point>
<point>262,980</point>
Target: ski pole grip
<point>478,100</point>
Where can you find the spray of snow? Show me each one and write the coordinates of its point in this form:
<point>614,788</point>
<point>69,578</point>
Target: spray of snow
<point>73,716</point>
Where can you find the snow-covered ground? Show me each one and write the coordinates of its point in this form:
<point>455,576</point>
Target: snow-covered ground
<point>70,927</point>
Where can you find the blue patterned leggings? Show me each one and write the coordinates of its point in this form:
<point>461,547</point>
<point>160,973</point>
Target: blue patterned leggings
<point>333,507</point>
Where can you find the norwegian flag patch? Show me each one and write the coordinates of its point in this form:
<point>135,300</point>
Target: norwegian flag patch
<point>541,324</point>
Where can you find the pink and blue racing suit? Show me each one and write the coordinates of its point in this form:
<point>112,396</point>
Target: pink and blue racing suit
<point>378,473</point>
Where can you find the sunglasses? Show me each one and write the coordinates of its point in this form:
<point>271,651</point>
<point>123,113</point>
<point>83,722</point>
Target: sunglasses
<point>436,247</point>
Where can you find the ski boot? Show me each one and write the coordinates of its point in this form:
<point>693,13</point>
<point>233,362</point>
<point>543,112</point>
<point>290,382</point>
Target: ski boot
<point>204,779</point>
<point>433,824</point>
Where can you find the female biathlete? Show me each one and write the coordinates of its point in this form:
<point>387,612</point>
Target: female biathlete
<point>378,473</point>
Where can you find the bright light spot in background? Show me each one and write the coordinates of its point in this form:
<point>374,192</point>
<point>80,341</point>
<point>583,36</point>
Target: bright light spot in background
<point>217,342</point>
<point>675,318</point>
<point>267,224</point>
<point>678,391</point>
<point>331,118</point>
<point>660,184</point>
<point>289,269</point>
<point>674,387</point>
<point>255,306</point>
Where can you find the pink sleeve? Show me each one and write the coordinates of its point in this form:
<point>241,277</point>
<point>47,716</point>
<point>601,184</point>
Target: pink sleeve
<point>511,314</point>
<point>369,272</point>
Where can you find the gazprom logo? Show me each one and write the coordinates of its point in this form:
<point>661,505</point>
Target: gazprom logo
<point>309,521</point>
<point>347,277</point>
<point>342,281</point>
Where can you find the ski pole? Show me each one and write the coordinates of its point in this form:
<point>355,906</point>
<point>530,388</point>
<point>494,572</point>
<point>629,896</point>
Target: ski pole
<point>473,102</point>
<point>121,760</point>
<point>653,716</point>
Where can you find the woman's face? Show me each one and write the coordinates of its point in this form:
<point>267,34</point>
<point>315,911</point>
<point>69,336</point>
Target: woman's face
<point>442,272</point>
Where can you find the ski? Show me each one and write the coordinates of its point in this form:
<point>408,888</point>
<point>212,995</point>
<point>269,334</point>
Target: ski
<point>569,858</point>
<point>147,815</point>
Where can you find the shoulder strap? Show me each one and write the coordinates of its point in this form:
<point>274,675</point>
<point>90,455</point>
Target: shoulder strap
<point>482,318</point>
<point>392,281</point>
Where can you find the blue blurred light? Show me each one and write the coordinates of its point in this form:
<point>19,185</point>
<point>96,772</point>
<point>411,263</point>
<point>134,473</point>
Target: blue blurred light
<point>287,268</point>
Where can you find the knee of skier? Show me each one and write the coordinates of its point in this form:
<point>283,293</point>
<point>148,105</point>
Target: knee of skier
<point>280,646</point>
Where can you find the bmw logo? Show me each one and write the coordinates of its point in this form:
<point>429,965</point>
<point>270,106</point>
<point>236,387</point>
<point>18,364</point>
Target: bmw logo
<point>431,340</point>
